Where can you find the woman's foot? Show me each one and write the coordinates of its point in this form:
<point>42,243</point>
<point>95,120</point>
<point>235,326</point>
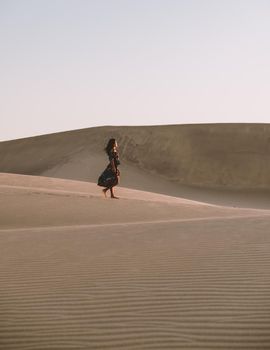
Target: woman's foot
<point>114,197</point>
<point>104,192</point>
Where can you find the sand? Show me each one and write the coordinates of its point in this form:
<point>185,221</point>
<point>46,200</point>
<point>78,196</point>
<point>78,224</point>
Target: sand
<point>224,164</point>
<point>180,261</point>
<point>216,156</point>
<point>147,271</point>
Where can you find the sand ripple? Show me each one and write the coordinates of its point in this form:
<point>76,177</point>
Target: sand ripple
<point>175,285</point>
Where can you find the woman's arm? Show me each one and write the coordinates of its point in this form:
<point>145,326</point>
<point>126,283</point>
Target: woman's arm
<point>113,165</point>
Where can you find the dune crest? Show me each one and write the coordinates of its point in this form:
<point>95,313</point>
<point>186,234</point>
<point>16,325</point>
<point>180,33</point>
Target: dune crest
<point>47,202</point>
<point>206,155</point>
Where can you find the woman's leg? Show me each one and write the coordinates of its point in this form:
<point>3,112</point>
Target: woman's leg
<point>111,190</point>
<point>112,193</point>
<point>105,190</point>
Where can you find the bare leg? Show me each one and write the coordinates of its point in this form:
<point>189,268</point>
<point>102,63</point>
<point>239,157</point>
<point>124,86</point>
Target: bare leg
<point>112,193</point>
<point>104,191</point>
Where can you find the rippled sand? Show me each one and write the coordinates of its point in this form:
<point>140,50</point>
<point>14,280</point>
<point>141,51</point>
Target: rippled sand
<point>148,271</point>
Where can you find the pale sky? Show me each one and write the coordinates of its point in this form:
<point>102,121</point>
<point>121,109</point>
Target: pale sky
<point>71,64</point>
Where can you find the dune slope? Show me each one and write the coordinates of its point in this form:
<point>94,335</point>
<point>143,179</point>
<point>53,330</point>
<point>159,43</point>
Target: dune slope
<point>148,271</point>
<point>207,155</point>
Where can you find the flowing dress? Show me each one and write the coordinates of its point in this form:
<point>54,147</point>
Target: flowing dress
<point>109,178</point>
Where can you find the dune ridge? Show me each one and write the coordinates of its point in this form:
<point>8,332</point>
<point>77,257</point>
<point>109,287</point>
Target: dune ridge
<point>232,156</point>
<point>34,198</point>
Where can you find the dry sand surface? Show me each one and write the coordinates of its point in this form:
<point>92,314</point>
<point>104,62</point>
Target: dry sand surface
<point>147,271</point>
<point>225,164</point>
<point>213,155</point>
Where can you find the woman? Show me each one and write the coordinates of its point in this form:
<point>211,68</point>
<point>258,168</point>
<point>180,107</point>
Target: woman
<point>110,176</point>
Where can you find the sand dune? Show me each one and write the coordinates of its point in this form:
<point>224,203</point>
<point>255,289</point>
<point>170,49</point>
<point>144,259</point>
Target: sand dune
<point>226,164</point>
<point>181,261</point>
<point>213,155</point>
<point>148,271</point>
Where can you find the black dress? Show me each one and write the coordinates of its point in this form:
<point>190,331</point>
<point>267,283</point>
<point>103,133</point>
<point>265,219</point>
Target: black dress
<point>109,178</point>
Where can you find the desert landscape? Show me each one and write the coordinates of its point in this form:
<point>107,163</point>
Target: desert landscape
<point>180,261</point>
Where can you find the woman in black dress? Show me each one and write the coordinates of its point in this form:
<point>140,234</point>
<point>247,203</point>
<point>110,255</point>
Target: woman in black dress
<point>110,176</point>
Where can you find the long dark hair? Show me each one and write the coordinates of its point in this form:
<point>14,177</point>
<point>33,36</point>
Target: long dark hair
<point>109,146</point>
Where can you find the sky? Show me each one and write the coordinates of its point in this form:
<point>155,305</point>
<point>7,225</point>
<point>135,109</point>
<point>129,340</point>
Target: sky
<point>72,64</point>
